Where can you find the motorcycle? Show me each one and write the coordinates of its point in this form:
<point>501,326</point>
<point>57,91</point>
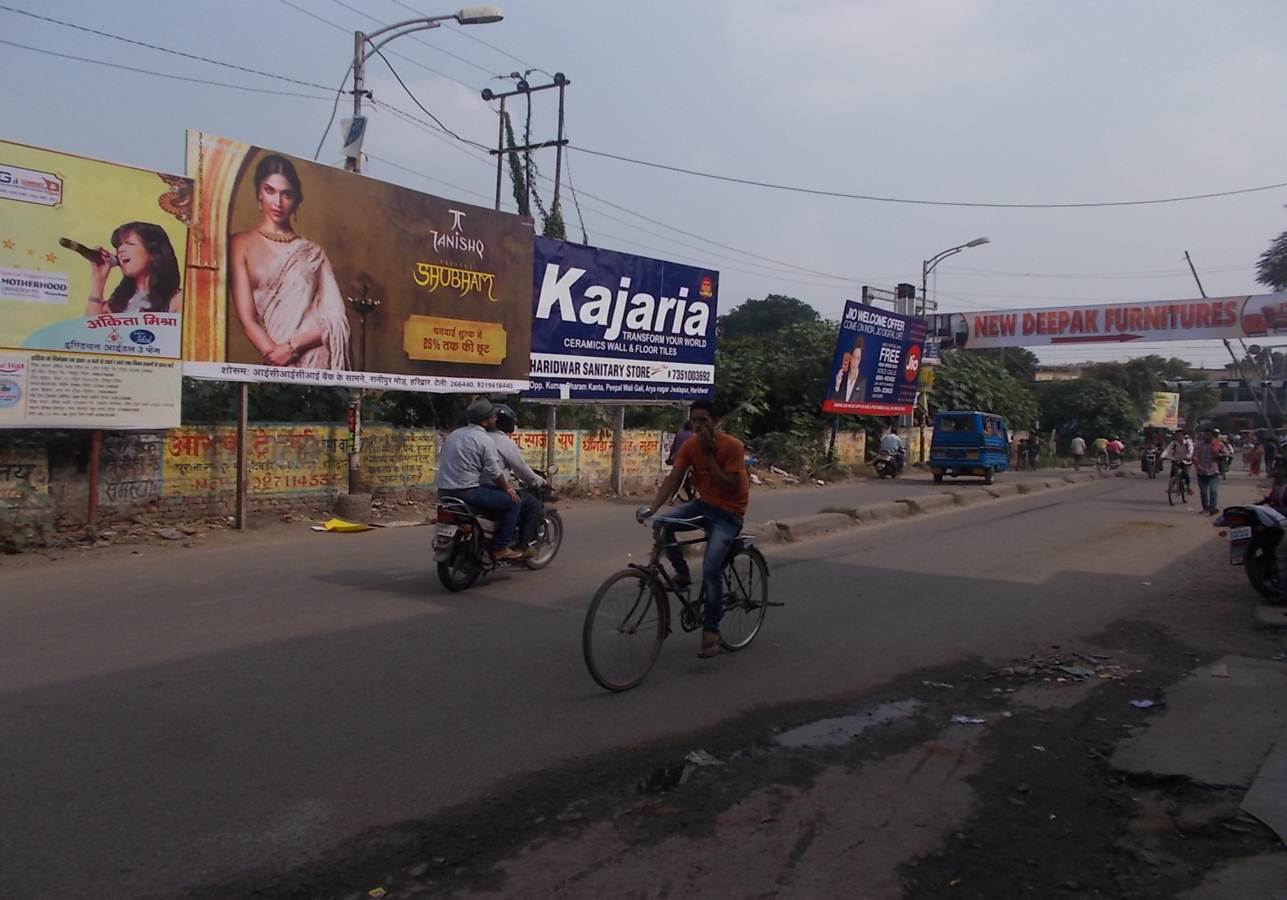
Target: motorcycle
<point>1151,462</point>
<point>1254,532</point>
<point>887,465</point>
<point>462,536</point>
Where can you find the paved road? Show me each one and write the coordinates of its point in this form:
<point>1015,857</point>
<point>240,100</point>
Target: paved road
<point>175,718</point>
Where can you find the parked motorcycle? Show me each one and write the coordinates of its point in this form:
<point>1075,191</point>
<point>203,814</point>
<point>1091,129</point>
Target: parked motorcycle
<point>1254,533</point>
<point>462,536</point>
<point>887,465</point>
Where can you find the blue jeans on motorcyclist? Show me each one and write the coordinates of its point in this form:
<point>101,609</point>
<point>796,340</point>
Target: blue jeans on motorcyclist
<point>498,507</point>
<point>1209,490</point>
<point>722,529</point>
<point>529,516</point>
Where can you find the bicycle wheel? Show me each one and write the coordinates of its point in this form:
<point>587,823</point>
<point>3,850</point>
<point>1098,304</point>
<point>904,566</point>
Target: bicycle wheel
<point>623,631</point>
<point>746,597</point>
<point>1172,488</point>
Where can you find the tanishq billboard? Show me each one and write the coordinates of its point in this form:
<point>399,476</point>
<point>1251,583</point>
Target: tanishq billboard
<point>1201,318</point>
<point>305,273</point>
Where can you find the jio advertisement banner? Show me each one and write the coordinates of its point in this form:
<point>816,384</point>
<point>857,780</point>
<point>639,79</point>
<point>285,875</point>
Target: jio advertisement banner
<point>1257,315</point>
<point>304,273</point>
<point>877,363</point>
<point>91,291</point>
<point>619,328</point>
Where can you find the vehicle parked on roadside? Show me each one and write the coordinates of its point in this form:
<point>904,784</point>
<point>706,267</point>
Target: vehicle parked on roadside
<point>969,443</point>
<point>1254,532</point>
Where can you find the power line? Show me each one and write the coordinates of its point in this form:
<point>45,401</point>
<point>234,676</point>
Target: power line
<point>875,198</point>
<point>111,65</point>
<point>409,171</point>
<point>970,272</point>
<point>161,49</point>
<point>423,108</point>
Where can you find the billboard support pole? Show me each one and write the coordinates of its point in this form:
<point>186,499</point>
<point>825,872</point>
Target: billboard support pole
<point>551,428</point>
<point>243,407</point>
<point>500,145</point>
<point>95,451</point>
<point>618,430</point>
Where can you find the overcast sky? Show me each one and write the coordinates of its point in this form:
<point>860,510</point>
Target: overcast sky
<point>960,100</point>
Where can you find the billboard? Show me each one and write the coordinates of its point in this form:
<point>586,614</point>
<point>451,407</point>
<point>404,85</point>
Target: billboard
<point>1166,410</point>
<point>877,363</point>
<point>1200,318</point>
<point>615,327</point>
<point>91,290</point>
<point>303,273</point>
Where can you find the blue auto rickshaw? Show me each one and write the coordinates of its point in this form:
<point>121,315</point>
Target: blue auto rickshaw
<point>969,443</point>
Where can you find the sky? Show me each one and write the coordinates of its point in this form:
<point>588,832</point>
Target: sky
<point>991,101</point>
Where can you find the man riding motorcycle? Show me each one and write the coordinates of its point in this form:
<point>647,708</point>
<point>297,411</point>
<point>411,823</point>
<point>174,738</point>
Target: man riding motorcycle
<point>470,469</point>
<point>531,509</point>
<point>892,444</point>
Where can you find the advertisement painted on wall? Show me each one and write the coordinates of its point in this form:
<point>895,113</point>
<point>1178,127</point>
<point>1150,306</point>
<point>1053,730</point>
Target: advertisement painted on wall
<point>1202,318</point>
<point>303,273</point>
<point>619,328</point>
<point>876,364</point>
<point>91,290</point>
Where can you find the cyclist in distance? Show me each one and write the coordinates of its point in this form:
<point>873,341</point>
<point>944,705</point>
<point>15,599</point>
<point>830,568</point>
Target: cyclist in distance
<point>718,465</point>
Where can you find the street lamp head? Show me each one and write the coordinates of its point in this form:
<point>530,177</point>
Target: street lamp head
<point>478,15</point>
<point>979,242</point>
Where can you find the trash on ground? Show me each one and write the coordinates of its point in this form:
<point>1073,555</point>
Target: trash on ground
<point>756,479</point>
<point>341,526</point>
<point>967,720</point>
<point>942,684</point>
<point>1064,668</point>
<point>1142,704</point>
<point>376,892</point>
<point>702,758</point>
<point>1219,670</point>
<point>1039,748</point>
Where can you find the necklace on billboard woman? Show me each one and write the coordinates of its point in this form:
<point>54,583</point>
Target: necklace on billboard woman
<point>278,238</point>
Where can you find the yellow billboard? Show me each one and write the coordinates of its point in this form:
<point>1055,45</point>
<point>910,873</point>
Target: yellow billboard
<point>1166,410</point>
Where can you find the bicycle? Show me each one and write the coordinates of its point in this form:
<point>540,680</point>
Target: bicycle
<point>630,615</point>
<point>1178,485</point>
<point>1101,462</point>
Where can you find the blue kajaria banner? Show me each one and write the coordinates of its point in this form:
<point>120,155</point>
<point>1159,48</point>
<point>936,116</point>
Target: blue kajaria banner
<point>616,327</point>
<point>877,360</point>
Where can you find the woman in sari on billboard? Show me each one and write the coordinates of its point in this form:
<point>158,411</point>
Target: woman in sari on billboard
<point>283,289</point>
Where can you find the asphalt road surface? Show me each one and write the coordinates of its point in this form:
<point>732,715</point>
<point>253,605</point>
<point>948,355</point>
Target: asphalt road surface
<point>181,716</point>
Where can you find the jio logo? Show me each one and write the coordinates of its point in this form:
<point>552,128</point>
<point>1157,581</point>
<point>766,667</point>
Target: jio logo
<point>912,367</point>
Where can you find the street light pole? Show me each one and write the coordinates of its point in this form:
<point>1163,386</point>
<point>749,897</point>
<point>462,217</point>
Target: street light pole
<point>470,15</point>
<point>928,265</point>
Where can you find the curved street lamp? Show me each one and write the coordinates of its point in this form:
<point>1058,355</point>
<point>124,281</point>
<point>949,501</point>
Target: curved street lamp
<point>469,15</point>
<point>928,266</point>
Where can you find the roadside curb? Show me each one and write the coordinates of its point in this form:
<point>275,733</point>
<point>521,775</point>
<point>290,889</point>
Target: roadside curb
<point>1272,616</point>
<point>789,531</point>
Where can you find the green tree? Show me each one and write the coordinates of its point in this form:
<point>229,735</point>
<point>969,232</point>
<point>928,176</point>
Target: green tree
<point>1089,407</point>
<point>1271,268</point>
<point>213,402</point>
<point>762,318</point>
<point>1140,378</point>
<point>967,379</point>
<point>1197,401</point>
<point>1018,361</point>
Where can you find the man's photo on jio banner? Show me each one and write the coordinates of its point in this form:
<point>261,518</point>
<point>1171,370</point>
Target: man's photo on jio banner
<point>847,383</point>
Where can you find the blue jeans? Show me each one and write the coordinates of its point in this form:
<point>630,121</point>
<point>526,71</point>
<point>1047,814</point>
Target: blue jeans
<point>722,528</point>
<point>529,517</point>
<point>498,506</point>
<point>1209,490</point>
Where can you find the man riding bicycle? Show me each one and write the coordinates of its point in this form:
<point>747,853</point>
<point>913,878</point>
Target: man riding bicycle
<point>717,462</point>
<point>1180,453</point>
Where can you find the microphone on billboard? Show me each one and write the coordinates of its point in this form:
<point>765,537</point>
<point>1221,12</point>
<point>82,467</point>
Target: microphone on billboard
<point>88,252</point>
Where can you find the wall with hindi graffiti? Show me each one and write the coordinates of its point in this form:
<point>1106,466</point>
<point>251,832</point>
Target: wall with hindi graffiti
<point>189,474</point>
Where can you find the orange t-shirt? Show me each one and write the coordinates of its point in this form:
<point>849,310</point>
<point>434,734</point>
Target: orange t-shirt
<point>730,456</point>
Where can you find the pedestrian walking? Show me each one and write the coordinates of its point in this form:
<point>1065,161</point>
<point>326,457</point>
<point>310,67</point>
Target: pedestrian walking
<point>1206,461</point>
<point>1078,448</point>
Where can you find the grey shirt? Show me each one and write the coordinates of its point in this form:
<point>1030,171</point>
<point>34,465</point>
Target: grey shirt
<point>468,459</point>
<point>512,457</point>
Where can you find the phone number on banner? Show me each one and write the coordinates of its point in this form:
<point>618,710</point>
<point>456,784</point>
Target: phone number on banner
<point>597,368</point>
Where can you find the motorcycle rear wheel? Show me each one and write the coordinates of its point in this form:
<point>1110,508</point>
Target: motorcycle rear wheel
<point>462,566</point>
<point>1262,571</point>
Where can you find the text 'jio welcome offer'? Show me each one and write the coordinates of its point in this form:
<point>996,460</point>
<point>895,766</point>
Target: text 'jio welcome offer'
<point>618,328</point>
<point>91,264</point>
<point>309,274</point>
<point>876,363</point>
